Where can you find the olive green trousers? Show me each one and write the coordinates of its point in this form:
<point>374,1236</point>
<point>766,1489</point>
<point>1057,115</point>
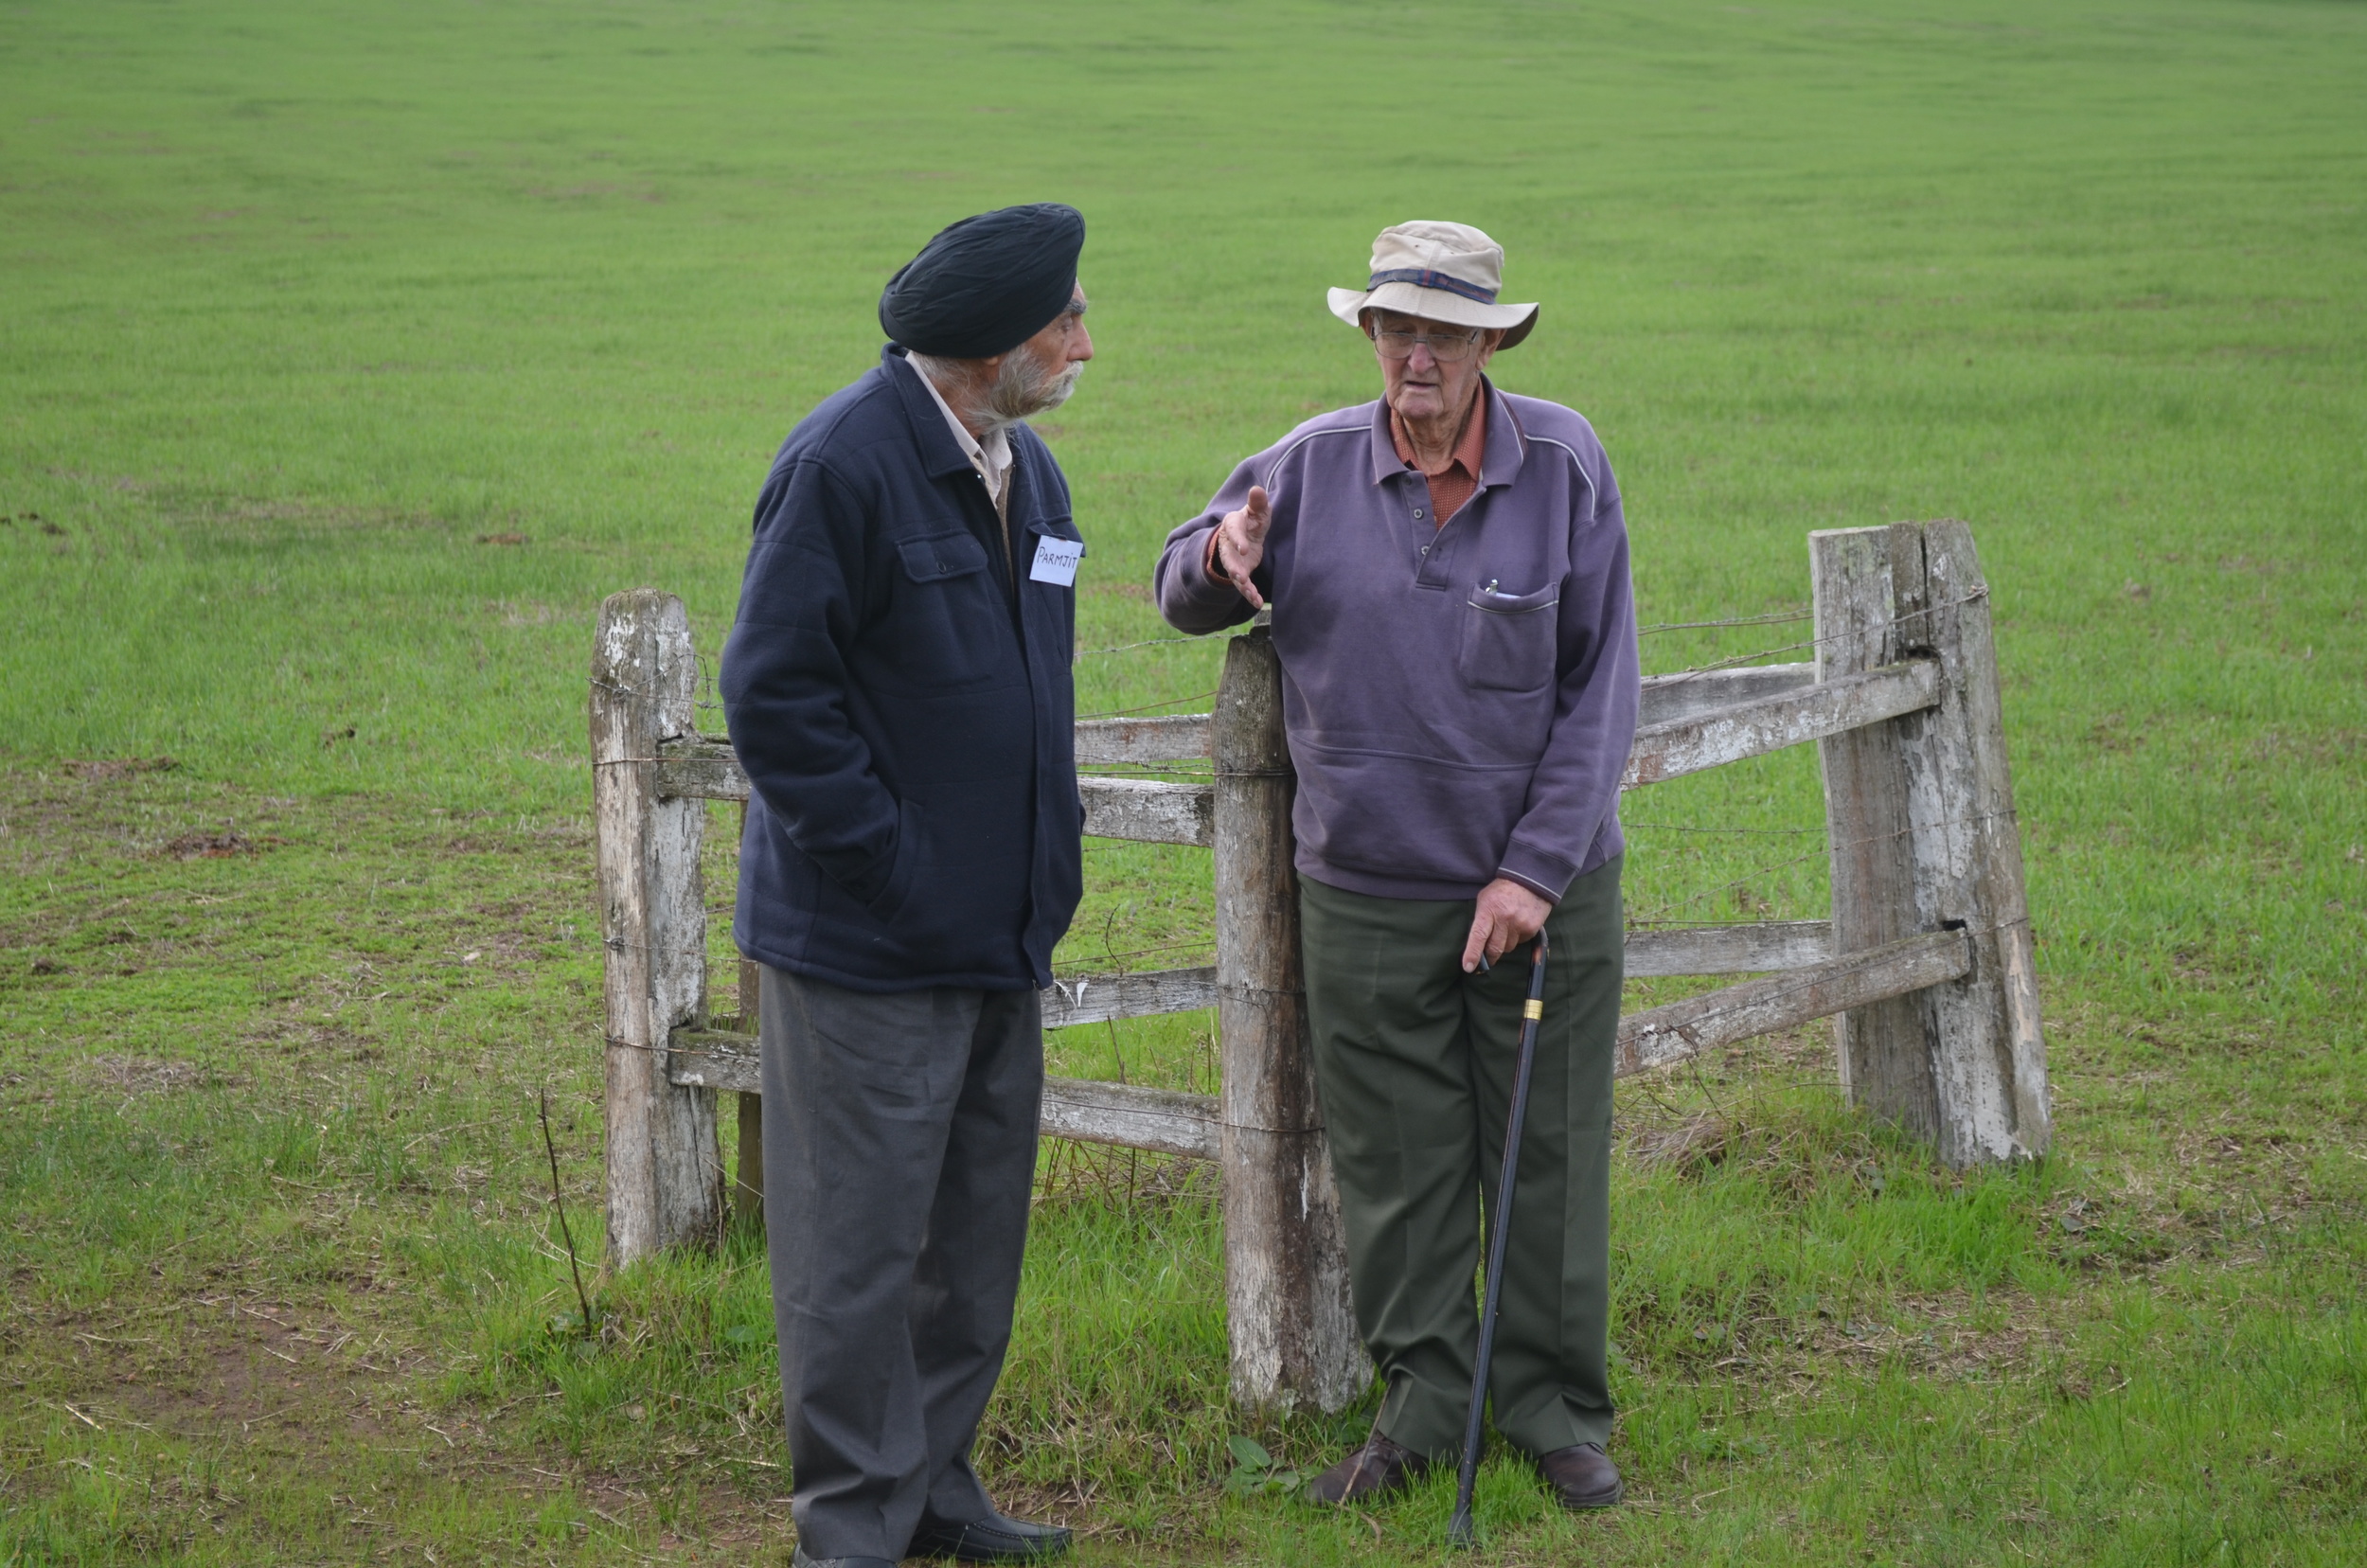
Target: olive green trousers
<point>1415,1062</point>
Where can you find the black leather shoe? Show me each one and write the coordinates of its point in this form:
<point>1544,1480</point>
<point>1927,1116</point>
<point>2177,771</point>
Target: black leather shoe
<point>801,1559</point>
<point>1582,1476</point>
<point>994,1539</point>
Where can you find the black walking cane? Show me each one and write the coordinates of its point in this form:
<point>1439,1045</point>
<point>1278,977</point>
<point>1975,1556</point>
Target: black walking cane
<point>1459,1532</point>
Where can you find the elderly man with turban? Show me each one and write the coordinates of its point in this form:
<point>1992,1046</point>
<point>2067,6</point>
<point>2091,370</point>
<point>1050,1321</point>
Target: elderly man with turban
<point>898,689</point>
<point>1448,568</point>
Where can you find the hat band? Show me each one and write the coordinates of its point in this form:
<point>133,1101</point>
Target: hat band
<point>1422,277</point>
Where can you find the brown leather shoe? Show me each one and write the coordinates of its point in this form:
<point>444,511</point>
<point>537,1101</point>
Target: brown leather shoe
<point>1582,1476</point>
<point>1376,1469</point>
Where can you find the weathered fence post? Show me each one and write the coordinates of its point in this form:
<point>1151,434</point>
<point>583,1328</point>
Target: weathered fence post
<point>748,1174</point>
<point>1919,812</point>
<point>1293,1333</point>
<point>665,1165</point>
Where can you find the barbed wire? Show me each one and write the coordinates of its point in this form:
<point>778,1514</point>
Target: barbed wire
<point>1678,828</point>
<point>1128,648</point>
<point>1647,924</point>
<point>1847,844</point>
<point>1197,945</point>
<point>1672,676</point>
<point>1774,619</point>
<point>1120,713</point>
<point>1203,773</point>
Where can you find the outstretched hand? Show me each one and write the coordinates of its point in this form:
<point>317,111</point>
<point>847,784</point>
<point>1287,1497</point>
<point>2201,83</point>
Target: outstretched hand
<point>1241,544</point>
<point>1509,914</point>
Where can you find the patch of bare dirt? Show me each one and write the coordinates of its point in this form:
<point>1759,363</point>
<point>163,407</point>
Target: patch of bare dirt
<point>1937,1336</point>
<point>231,1365</point>
<point>1695,1141</point>
<point>142,1075</point>
<point>222,845</point>
<point>298,1036</point>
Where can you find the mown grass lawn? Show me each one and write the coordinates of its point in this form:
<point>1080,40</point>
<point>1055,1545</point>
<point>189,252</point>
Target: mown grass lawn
<point>349,355</point>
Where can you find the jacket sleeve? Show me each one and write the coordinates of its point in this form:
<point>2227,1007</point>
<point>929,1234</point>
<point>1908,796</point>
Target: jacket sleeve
<point>784,679</point>
<point>1190,598</point>
<point>1576,787</point>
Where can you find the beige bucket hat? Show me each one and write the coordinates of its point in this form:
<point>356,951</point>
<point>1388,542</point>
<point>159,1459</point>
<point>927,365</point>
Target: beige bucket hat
<point>1441,272</point>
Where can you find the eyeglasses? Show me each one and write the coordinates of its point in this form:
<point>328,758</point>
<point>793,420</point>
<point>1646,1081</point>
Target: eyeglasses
<point>1446,347</point>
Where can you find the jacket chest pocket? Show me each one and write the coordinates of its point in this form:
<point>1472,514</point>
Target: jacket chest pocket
<point>955,627</point>
<point>938,557</point>
<point>1508,639</point>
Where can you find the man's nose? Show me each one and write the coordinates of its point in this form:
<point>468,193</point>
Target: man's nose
<point>1421,359</point>
<point>1084,348</point>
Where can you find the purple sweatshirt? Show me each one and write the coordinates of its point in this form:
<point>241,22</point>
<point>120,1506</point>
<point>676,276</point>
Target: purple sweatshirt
<point>1460,700</point>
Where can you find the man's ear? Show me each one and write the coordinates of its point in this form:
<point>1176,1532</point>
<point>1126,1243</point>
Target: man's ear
<point>989,367</point>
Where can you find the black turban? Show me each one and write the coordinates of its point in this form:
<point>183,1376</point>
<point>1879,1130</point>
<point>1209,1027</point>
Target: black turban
<point>987,284</point>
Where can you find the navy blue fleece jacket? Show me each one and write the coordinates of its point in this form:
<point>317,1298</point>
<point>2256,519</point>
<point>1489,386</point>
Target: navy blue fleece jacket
<point>904,713</point>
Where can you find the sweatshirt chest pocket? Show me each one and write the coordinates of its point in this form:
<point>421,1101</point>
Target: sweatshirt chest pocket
<point>1508,639</point>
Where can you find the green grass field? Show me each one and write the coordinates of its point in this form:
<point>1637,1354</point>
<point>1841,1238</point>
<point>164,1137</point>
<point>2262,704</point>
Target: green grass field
<point>350,355</point>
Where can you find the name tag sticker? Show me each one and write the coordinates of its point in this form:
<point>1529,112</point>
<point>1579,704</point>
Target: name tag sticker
<point>1056,560</point>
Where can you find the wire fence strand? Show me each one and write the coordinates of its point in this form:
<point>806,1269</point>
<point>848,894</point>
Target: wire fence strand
<point>1653,917</point>
<point>1777,619</point>
<point>1120,713</point>
<point>1680,827</point>
<point>1739,659</point>
<point>1128,648</point>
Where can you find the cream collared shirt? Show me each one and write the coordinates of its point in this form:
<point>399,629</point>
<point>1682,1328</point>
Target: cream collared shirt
<point>991,459</point>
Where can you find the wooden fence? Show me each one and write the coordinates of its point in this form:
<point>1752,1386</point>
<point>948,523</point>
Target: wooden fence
<point>1926,962</point>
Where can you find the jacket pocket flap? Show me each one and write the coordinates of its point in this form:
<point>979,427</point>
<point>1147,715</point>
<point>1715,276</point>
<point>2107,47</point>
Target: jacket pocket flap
<point>940,556</point>
<point>1055,528</point>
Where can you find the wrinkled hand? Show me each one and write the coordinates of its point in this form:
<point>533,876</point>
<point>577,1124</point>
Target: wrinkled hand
<point>1507,916</point>
<point>1241,543</point>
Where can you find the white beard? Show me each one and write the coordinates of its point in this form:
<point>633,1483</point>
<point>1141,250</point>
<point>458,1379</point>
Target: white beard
<point>1024,388</point>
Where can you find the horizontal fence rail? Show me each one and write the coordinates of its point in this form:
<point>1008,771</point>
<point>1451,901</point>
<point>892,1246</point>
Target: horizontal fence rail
<point>1165,1120</point>
<point>1756,726</point>
<point>1174,1122</point>
<point>1925,965</point>
<point>1663,1036</point>
<point>1115,742</point>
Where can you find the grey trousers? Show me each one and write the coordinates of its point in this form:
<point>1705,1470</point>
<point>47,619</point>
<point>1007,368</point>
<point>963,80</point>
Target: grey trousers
<point>899,1151</point>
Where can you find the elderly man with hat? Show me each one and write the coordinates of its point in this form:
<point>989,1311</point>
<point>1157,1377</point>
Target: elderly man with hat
<point>897,688</point>
<point>1448,570</point>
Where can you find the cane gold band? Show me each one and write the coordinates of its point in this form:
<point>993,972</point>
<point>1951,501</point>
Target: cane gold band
<point>1533,1010</point>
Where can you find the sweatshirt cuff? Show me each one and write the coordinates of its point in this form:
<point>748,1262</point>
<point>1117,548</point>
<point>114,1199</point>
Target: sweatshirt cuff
<point>1543,873</point>
<point>1198,584</point>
